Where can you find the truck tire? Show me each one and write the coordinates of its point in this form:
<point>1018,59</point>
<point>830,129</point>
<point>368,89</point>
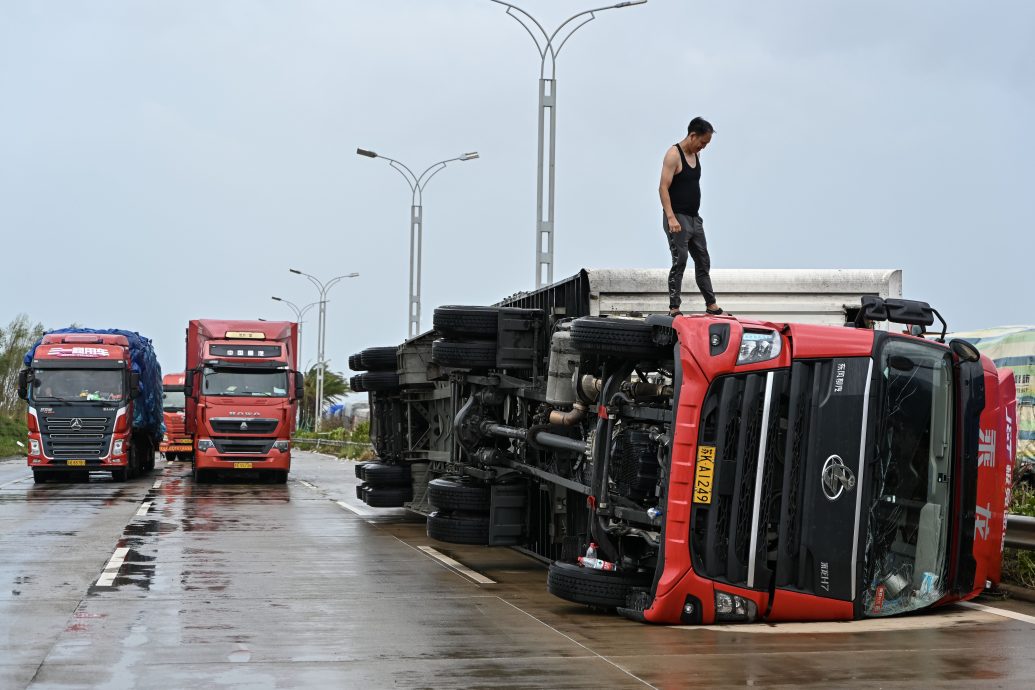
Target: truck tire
<point>39,477</point>
<point>380,474</point>
<point>459,527</point>
<point>202,476</point>
<point>379,358</point>
<point>359,470</point>
<point>356,362</point>
<point>356,384</point>
<point>455,321</point>
<point>602,335</point>
<point>119,475</point>
<point>454,493</point>
<point>379,381</point>
<point>608,590</point>
<point>474,354</point>
<point>387,496</point>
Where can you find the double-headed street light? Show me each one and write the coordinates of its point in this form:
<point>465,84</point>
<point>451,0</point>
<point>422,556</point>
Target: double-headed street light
<point>299,314</point>
<point>549,47</point>
<point>417,184</point>
<point>321,337</point>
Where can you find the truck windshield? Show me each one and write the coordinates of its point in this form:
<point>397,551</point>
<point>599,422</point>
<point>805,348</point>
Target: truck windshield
<point>77,385</point>
<point>172,400</point>
<point>237,382</point>
<point>907,532</point>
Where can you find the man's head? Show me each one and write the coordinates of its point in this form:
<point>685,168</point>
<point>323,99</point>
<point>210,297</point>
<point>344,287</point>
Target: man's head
<point>698,134</point>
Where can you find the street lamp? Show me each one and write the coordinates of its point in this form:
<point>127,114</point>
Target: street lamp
<point>321,337</point>
<point>299,313</point>
<point>417,184</point>
<point>548,52</point>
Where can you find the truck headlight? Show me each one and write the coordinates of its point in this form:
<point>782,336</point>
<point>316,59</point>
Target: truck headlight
<point>116,447</point>
<point>165,438</point>
<point>205,444</point>
<point>282,446</point>
<point>759,346</point>
<point>34,447</point>
<point>730,607</point>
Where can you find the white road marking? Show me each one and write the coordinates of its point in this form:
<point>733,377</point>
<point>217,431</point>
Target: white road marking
<point>157,485</point>
<point>1000,612</point>
<point>112,568</point>
<point>20,479</point>
<point>144,507</point>
<point>303,482</point>
<point>946,618</point>
<point>574,641</point>
<point>362,512</point>
<point>456,565</point>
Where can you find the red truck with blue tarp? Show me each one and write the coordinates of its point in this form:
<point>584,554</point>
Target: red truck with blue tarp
<point>95,404</point>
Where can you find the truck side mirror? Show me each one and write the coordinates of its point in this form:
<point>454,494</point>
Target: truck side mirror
<point>23,384</point>
<point>134,385</point>
<point>188,384</point>
<point>299,385</point>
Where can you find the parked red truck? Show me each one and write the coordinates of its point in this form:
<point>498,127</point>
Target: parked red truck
<point>176,444</point>
<point>94,404</point>
<point>242,391</point>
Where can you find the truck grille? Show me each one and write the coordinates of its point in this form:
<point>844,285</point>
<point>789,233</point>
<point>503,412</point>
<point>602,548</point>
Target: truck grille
<point>252,425</point>
<point>732,421</point>
<point>243,446</point>
<point>76,437</point>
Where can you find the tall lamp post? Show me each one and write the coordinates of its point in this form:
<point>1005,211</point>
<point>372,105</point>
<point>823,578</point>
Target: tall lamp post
<point>549,48</point>
<point>417,184</point>
<point>321,337</point>
<point>299,314</point>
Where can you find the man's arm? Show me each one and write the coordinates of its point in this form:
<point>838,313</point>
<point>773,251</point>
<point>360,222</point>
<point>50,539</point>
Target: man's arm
<point>668,171</point>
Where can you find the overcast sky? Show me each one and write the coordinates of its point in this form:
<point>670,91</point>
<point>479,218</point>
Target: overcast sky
<point>162,161</point>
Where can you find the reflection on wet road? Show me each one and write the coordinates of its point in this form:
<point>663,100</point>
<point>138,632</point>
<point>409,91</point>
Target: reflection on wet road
<point>160,583</point>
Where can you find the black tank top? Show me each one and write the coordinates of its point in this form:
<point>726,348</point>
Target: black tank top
<point>685,191</point>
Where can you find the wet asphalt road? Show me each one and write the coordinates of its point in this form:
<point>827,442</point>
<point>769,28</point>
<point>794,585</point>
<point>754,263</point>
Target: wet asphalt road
<point>252,585</point>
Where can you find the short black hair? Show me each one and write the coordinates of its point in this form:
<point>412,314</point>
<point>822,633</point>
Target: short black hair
<point>700,126</point>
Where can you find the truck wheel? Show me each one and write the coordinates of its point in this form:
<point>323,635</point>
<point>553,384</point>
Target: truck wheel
<point>602,335</point>
<point>459,527</point>
<point>455,493</point>
<point>379,358</point>
<point>356,384</point>
<point>39,477</point>
<point>379,381</point>
<point>387,496</point>
<point>119,475</point>
<point>379,474</point>
<point>356,362</point>
<point>474,354</point>
<point>202,476</point>
<point>359,470</point>
<point>279,476</point>
<point>459,322</point>
<point>609,590</point>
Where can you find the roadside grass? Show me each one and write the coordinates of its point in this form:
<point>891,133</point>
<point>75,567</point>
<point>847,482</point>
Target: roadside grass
<point>1019,565</point>
<point>12,429</point>
<point>360,436</point>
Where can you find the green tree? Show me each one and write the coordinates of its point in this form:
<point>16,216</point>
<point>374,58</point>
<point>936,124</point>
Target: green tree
<point>15,338</point>
<point>335,385</point>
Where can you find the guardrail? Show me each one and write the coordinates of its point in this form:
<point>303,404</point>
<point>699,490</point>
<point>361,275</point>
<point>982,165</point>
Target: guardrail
<point>1020,532</point>
<point>330,442</point>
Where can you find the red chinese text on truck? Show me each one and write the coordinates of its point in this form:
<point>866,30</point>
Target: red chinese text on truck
<point>176,444</point>
<point>242,391</point>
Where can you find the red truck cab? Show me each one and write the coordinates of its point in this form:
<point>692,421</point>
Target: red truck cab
<point>80,390</point>
<point>176,444</point>
<point>242,391</point>
<point>824,473</point>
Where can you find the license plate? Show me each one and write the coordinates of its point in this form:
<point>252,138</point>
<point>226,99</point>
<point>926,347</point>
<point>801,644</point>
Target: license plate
<point>242,465</point>
<point>704,480</point>
<point>77,463</point>
<point>178,449</point>
<point>184,440</point>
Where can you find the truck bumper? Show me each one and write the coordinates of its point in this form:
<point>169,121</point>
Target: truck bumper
<point>211,460</point>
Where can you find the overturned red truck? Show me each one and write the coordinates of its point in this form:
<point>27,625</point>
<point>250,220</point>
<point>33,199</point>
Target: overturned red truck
<point>706,469</point>
<point>241,394</point>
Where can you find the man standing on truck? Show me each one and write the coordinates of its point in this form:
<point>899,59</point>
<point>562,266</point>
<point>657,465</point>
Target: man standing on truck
<point>680,192</point>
